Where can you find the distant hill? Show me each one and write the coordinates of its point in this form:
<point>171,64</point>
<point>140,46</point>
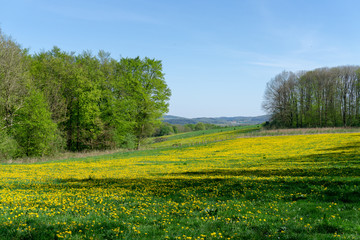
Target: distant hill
<point>228,121</point>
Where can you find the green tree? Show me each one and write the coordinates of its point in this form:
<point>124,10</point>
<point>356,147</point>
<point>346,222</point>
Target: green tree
<point>71,85</point>
<point>51,72</point>
<point>108,137</point>
<point>199,126</point>
<point>142,97</point>
<point>189,127</point>
<point>54,73</point>
<point>175,129</point>
<point>85,110</point>
<point>164,129</point>
<point>8,145</point>
<point>90,102</point>
<point>34,130</point>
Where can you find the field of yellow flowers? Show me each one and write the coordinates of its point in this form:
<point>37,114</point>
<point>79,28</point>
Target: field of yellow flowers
<point>279,187</point>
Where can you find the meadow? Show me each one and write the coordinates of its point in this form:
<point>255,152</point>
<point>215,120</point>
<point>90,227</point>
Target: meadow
<point>204,136</point>
<point>267,187</point>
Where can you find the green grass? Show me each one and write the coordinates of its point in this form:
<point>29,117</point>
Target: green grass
<point>209,131</point>
<point>203,137</point>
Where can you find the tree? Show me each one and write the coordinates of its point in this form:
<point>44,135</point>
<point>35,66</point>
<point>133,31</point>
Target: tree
<point>13,79</point>
<point>51,72</point>
<point>317,98</point>
<point>141,97</point>
<point>33,129</point>
<point>92,102</point>
<point>199,126</point>
<point>71,85</point>
<point>8,145</point>
<point>54,74</point>
<point>280,98</point>
<point>85,110</point>
<point>164,129</point>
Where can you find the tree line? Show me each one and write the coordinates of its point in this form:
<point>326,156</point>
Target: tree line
<point>323,97</point>
<point>56,100</point>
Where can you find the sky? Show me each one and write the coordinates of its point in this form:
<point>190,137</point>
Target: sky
<point>217,55</point>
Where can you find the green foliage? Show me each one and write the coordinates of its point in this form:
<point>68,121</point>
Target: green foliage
<point>165,129</point>
<point>34,130</point>
<point>189,127</point>
<point>72,88</point>
<point>92,102</point>
<point>127,141</point>
<point>141,96</point>
<point>85,111</point>
<point>8,145</point>
<point>200,126</point>
<point>175,129</point>
<point>99,102</point>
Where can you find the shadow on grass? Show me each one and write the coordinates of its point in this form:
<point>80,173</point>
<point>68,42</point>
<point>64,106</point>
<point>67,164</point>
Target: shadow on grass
<point>318,172</point>
<point>347,147</point>
<point>227,188</point>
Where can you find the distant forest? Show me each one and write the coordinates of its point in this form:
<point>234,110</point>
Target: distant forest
<point>324,97</point>
<point>55,100</point>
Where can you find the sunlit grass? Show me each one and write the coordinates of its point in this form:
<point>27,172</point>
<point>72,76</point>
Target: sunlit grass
<point>206,136</point>
<point>282,187</point>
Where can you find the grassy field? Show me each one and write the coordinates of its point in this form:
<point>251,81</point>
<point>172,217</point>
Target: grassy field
<point>205,136</point>
<point>247,128</point>
<point>272,187</point>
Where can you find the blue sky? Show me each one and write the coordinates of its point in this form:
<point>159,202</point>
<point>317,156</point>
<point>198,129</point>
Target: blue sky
<point>217,55</point>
